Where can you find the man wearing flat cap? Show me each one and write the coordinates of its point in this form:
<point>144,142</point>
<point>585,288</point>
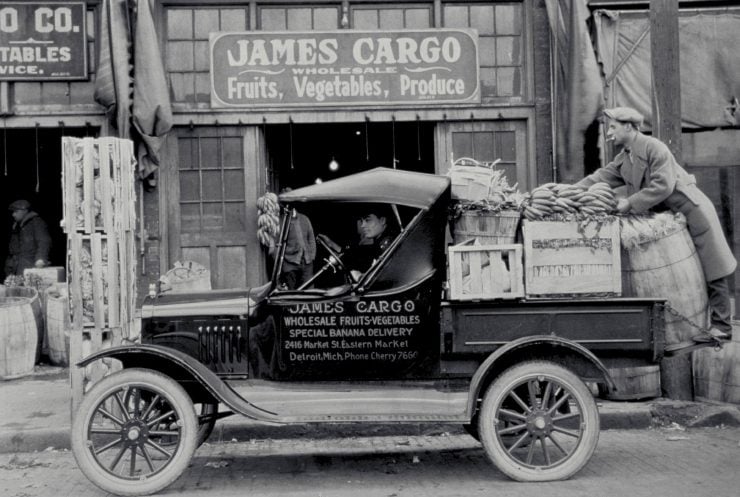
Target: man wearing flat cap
<point>654,179</point>
<point>29,240</point>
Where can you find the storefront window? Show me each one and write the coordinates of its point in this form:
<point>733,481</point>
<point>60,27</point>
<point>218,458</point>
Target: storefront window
<point>187,58</point>
<point>501,40</point>
<point>211,184</point>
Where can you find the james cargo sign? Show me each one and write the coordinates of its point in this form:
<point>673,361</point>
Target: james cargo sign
<point>42,40</point>
<point>309,69</point>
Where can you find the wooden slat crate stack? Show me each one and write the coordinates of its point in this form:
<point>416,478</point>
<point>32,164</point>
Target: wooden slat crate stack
<point>100,222</point>
<point>485,272</point>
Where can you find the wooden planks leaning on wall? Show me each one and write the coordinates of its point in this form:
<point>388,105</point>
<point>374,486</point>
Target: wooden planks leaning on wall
<point>98,177</point>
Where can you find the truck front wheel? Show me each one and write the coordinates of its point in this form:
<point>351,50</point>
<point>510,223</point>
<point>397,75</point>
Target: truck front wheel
<point>539,422</point>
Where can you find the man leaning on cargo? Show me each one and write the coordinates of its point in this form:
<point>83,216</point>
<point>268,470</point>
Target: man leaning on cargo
<point>654,179</point>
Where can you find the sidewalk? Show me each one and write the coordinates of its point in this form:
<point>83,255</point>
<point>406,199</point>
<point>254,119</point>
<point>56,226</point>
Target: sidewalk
<point>35,415</point>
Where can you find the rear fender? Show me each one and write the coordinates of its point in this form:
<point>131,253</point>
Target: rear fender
<point>569,354</point>
<point>197,379</point>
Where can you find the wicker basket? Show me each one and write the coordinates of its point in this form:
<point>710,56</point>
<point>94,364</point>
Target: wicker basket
<point>490,228</point>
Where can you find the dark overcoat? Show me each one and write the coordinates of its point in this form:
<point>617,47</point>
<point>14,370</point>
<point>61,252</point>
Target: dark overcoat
<point>29,242</point>
<point>653,177</point>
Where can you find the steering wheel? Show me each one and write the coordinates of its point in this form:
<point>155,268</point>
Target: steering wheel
<point>335,257</point>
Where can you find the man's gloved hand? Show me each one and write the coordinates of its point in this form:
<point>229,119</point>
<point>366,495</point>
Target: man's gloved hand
<point>623,206</point>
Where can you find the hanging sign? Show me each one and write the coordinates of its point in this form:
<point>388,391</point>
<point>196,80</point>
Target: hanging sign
<point>42,41</point>
<point>313,68</point>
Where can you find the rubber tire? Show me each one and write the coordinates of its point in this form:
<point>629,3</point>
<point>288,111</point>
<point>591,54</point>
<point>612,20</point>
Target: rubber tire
<point>168,389</point>
<point>499,389</point>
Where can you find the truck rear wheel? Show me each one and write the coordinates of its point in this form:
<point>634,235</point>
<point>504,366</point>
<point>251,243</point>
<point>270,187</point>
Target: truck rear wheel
<point>539,422</point>
<point>134,432</point>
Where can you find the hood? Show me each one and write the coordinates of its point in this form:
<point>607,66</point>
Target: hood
<point>236,302</point>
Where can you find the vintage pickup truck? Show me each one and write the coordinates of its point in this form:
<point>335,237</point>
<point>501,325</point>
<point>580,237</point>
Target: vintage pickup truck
<point>385,347</point>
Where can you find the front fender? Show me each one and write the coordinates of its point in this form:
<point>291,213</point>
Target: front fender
<point>545,347</point>
<point>181,367</point>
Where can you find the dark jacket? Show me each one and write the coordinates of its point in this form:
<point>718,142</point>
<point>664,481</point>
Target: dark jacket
<point>300,246</point>
<point>29,242</point>
<point>653,177</point>
<point>360,257</point>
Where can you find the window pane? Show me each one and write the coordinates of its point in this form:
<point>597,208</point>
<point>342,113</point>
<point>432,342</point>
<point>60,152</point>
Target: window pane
<point>201,56</point>
<point>202,87</point>
<point>299,19</point>
<point>234,184</point>
<point>508,51</point>
<point>185,153</point>
<point>235,217</point>
<point>232,150</point>
<point>508,19</point>
<point>213,216</point>
<point>325,19</point>
<point>391,19</point>
<point>481,18</point>
<point>206,20</point>
<point>488,81</point>
<point>365,19</point>
<point>455,17</point>
<point>189,185</point>
<point>179,24</point>
<point>273,19</point>
<point>484,146</point>
<point>212,185</point>
<point>234,20</point>
<point>506,145</point>
<point>418,18</point>
<point>487,47</point>
<point>507,81</point>
<point>209,153</point>
<point>182,87</point>
<point>189,217</point>
<point>461,145</point>
<point>180,56</point>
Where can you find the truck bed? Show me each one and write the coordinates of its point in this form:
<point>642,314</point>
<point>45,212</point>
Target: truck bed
<point>627,327</point>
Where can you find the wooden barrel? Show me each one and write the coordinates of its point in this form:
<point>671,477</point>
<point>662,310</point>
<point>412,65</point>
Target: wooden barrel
<point>634,383</point>
<point>490,228</point>
<point>57,324</point>
<point>19,336</point>
<point>717,372</point>
<point>667,266</point>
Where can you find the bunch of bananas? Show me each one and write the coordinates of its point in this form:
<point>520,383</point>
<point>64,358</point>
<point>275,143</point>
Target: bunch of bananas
<point>268,219</point>
<point>558,198</point>
<point>598,199</point>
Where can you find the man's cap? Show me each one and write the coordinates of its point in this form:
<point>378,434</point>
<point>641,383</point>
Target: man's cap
<point>20,205</point>
<point>625,115</point>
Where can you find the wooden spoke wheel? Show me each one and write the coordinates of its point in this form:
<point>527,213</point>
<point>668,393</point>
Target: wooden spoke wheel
<point>135,432</point>
<point>539,422</point>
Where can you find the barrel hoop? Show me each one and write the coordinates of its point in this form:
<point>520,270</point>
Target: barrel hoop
<point>653,268</point>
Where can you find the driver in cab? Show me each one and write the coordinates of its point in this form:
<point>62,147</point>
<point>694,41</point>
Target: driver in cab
<point>375,238</point>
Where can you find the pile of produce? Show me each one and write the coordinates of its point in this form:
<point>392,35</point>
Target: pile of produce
<point>637,229</point>
<point>268,219</point>
<point>558,199</point>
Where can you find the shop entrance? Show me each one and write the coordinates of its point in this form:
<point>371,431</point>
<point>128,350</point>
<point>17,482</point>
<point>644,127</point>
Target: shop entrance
<point>302,154</point>
<point>31,169</point>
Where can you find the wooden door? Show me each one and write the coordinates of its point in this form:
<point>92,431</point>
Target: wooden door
<point>213,183</point>
<point>487,141</point>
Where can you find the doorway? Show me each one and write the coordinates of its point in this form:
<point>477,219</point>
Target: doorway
<point>304,154</point>
<point>31,169</point>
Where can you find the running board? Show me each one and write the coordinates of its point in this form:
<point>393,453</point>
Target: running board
<point>345,403</point>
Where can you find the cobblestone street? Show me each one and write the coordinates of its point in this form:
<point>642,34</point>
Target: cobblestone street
<point>635,463</point>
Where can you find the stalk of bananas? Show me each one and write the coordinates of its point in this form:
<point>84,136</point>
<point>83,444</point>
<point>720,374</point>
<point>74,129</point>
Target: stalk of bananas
<point>559,198</point>
<point>268,219</point>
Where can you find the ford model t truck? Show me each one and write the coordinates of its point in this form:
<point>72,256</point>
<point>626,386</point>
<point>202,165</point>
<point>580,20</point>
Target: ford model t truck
<point>386,346</point>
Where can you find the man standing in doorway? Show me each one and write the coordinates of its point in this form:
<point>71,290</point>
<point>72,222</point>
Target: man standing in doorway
<point>300,251</point>
<point>654,179</point>
<point>29,240</point>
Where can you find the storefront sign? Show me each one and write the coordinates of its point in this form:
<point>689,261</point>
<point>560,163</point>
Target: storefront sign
<point>42,41</point>
<point>310,69</point>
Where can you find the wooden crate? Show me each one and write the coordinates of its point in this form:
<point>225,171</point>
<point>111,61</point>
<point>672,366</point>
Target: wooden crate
<point>574,258</point>
<point>98,178</point>
<point>484,272</point>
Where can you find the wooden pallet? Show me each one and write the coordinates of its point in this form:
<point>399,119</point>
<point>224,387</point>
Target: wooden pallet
<point>485,272</point>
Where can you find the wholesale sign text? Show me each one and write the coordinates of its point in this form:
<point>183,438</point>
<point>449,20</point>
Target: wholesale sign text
<point>344,67</point>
